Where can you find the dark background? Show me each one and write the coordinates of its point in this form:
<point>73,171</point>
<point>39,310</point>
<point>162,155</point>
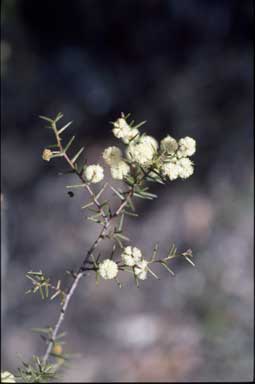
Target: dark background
<point>186,68</point>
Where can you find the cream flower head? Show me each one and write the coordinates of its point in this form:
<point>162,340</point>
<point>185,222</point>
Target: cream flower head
<point>131,256</point>
<point>186,168</point>
<point>120,170</point>
<point>122,130</point>
<point>168,145</point>
<point>108,269</point>
<point>112,155</point>
<point>7,377</point>
<point>94,173</point>
<point>141,269</point>
<point>187,147</point>
<point>171,170</point>
<point>143,150</point>
<point>133,133</point>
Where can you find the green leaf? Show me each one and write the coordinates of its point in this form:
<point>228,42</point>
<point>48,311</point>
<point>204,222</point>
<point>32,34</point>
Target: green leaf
<point>41,292</point>
<point>77,155</point>
<point>58,117</point>
<point>64,127</point>
<point>167,267</point>
<point>69,144</point>
<point>76,186</point>
<point>113,250</point>
<point>155,251</point>
<point>34,273</point>
<point>118,241</point>
<point>172,252</point>
<point>52,146</point>
<point>117,193</point>
<point>140,124</point>
<point>136,194</point>
<point>136,279</point>
<point>55,295</point>
<point>46,119</point>
<point>95,220</point>
<point>130,213</point>
<point>121,222</point>
<point>41,330</point>
<point>101,191</point>
<point>130,203</point>
<point>152,273</point>
<point>87,205</point>
<point>191,262</point>
<point>98,214</point>
<point>122,237</point>
<point>46,290</point>
<point>129,180</point>
<point>61,335</point>
<point>151,195</point>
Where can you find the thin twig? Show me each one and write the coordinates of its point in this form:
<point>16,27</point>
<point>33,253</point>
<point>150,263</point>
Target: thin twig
<point>76,280</point>
<point>101,236</point>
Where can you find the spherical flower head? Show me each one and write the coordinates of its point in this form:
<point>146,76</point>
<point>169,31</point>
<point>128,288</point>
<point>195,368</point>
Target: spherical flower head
<point>120,170</point>
<point>94,173</point>
<point>171,170</point>
<point>150,141</point>
<point>132,134</point>
<point>143,150</point>
<point>47,154</point>
<point>112,155</point>
<point>168,145</point>
<point>141,269</point>
<point>131,256</point>
<point>187,147</point>
<point>121,128</point>
<point>108,269</point>
<point>7,377</point>
<point>186,168</point>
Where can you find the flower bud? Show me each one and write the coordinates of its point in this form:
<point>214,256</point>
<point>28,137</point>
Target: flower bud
<point>47,154</point>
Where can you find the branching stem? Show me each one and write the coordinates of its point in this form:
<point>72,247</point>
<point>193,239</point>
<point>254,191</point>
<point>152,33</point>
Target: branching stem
<point>101,236</point>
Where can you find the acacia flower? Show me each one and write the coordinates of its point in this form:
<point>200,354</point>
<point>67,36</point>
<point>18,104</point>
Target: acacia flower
<point>143,150</point>
<point>150,141</point>
<point>187,147</point>
<point>47,154</point>
<point>94,173</point>
<point>131,134</point>
<point>7,377</point>
<point>171,169</point>
<point>121,128</point>
<point>120,170</point>
<point>141,269</point>
<point>112,156</point>
<point>186,168</point>
<point>108,269</point>
<point>131,256</point>
<point>168,144</point>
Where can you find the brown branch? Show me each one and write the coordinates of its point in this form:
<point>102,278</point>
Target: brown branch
<point>101,236</point>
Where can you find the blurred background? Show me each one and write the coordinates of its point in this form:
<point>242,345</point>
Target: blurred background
<point>186,68</point>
